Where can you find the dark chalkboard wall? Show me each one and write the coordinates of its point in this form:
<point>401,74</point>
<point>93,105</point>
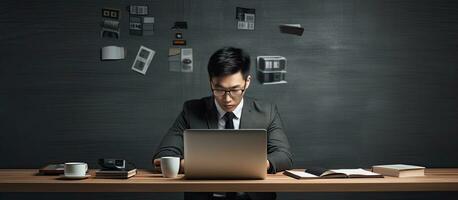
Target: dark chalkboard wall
<point>369,82</point>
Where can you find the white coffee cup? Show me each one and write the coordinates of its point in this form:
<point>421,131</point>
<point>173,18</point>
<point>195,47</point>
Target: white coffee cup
<point>170,166</point>
<point>75,169</point>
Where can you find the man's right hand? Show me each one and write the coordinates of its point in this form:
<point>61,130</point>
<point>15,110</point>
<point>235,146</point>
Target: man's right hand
<point>157,165</point>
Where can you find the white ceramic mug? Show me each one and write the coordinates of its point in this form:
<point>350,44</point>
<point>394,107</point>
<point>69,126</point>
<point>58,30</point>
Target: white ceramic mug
<point>75,169</point>
<point>170,166</point>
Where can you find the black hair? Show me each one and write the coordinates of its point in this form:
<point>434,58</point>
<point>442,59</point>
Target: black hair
<point>228,61</point>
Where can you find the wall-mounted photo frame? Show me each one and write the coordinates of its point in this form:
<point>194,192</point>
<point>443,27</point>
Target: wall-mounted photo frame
<point>143,60</point>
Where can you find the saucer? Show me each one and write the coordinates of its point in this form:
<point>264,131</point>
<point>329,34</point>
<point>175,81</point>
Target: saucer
<point>74,177</point>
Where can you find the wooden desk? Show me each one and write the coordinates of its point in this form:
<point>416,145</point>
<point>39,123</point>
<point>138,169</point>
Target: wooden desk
<point>25,180</point>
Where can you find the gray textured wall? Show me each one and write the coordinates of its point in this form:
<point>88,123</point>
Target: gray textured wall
<point>369,82</point>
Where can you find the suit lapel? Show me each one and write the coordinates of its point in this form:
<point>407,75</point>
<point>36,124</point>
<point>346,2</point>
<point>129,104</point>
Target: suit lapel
<point>211,114</point>
<point>248,116</point>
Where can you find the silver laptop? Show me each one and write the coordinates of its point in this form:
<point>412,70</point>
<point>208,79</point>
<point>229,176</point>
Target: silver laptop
<point>225,154</point>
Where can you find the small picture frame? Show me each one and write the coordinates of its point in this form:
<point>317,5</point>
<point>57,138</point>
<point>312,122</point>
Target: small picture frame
<point>138,10</point>
<point>111,13</point>
<point>143,60</point>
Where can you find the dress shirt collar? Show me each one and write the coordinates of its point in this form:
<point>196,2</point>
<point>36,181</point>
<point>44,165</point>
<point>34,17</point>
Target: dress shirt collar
<point>237,111</point>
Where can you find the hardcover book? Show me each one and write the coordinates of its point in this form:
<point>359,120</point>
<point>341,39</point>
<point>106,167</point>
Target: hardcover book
<point>52,169</point>
<point>399,170</point>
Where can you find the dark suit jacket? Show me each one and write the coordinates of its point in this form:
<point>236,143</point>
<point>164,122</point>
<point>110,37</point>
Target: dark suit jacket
<point>202,114</point>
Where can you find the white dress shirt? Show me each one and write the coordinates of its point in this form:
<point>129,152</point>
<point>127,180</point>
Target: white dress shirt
<point>237,112</point>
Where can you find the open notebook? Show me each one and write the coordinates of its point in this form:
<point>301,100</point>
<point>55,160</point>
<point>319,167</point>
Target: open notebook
<point>331,173</point>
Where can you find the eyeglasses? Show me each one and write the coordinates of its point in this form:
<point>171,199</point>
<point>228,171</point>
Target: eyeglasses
<point>232,92</point>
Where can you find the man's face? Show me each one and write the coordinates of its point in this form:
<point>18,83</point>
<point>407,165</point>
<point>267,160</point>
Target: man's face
<point>234,83</point>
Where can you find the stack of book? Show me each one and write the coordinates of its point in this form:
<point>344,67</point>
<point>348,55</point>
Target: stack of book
<point>115,174</point>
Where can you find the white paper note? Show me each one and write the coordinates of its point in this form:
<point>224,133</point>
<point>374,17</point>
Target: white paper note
<point>113,53</point>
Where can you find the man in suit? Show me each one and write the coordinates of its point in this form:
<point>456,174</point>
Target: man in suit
<point>229,108</point>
